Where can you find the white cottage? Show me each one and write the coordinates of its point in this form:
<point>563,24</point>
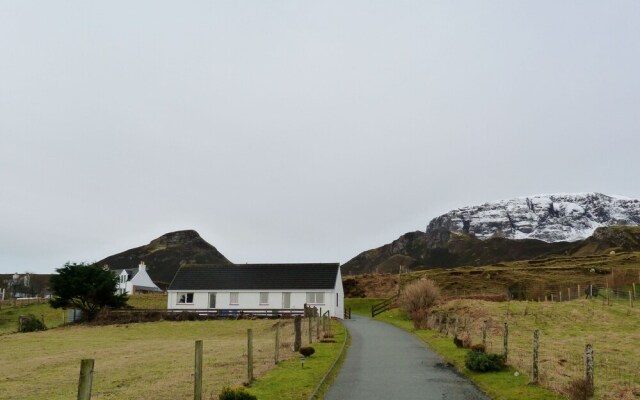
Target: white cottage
<point>275,288</point>
<point>135,280</point>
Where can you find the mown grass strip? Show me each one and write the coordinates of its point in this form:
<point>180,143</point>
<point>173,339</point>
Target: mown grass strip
<point>291,381</point>
<point>333,370</point>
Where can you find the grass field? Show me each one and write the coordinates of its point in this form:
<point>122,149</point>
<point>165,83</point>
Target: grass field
<point>9,315</point>
<point>155,360</point>
<point>54,317</point>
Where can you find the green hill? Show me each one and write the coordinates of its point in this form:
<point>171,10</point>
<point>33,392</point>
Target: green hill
<point>164,255</point>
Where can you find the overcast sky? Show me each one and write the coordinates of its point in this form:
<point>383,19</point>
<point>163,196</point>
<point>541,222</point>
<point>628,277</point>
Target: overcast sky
<point>292,131</point>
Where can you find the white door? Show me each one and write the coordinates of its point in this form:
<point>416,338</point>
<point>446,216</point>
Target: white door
<point>212,300</point>
<point>286,300</point>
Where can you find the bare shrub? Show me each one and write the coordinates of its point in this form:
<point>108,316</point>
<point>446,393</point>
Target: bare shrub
<point>462,340</point>
<point>419,318</point>
<point>417,298</point>
<point>579,389</point>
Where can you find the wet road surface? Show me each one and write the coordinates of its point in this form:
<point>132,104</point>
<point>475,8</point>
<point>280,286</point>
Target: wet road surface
<point>385,362</point>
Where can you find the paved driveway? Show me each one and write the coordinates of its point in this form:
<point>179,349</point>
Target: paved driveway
<point>385,362</point>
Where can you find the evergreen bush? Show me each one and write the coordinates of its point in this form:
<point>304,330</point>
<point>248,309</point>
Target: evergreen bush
<point>484,362</point>
<point>237,393</point>
<point>307,351</point>
<point>29,323</point>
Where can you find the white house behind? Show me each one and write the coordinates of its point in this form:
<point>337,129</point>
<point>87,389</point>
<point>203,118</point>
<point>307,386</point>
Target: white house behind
<point>256,287</point>
<point>135,280</point>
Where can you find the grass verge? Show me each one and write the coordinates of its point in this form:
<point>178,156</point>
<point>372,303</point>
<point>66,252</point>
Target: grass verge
<point>291,381</point>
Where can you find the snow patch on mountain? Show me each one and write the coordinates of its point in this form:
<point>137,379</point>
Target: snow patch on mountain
<point>550,217</point>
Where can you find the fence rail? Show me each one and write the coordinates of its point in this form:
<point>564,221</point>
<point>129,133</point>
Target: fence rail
<point>264,348</point>
<point>261,312</point>
<point>383,306</point>
<point>556,360</point>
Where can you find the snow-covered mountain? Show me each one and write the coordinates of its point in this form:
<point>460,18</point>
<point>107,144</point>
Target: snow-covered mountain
<point>552,218</point>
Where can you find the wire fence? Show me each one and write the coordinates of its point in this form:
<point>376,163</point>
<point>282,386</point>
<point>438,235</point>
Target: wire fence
<point>228,360</point>
<point>561,348</point>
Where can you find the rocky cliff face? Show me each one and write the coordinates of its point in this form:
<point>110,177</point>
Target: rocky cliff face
<point>551,218</point>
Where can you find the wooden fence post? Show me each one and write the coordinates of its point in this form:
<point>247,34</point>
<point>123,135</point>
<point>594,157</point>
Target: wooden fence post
<point>560,295</point>
<point>86,379</point>
<point>249,355</point>
<point>536,342</point>
<point>197,376</point>
<point>310,331</point>
<point>578,295</point>
<point>484,335</point>
<point>277,352</point>
<point>630,299</point>
<point>568,294</point>
<point>318,327</point>
<point>588,364</point>
<point>297,322</point>
<point>506,341</point>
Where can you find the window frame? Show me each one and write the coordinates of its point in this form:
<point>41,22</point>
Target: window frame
<point>186,295</point>
<point>237,298</point>
<point>312,298</point>
<point>266,295</point>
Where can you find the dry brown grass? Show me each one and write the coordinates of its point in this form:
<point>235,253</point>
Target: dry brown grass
<point>565,328</point>
<point>540,277</point>
<point>136,361</point>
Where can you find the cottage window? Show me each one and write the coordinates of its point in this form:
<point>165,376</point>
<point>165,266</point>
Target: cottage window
<point>264,297</point>
<point>185,298</point>
<point>315,297</point>
<point>233,298</point>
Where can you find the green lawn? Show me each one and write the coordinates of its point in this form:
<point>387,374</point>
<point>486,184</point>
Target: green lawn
<point>53,318</point>
<point>290,380</point>
<point>9,315</point>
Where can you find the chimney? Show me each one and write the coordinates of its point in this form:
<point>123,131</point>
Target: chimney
<point>142,267</point>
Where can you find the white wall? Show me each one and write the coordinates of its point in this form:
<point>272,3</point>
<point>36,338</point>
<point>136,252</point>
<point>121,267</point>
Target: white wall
<point>339,308</point>
<point>251,300</point>
<point>141,279</point>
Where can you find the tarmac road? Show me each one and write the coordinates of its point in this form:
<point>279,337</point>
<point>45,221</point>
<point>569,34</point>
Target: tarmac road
<point>385,362</point>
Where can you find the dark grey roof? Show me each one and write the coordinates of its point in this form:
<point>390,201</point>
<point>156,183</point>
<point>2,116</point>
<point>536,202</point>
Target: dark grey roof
<point>255,277</point>
<point>131,272</point>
